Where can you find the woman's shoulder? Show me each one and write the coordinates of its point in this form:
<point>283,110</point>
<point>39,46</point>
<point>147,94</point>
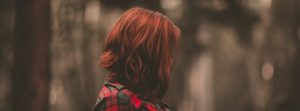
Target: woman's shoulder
<point>116,97</point>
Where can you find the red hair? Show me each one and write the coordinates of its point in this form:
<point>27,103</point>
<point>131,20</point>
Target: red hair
<point>139,51</point>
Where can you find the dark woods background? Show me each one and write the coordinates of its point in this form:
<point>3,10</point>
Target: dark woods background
<point>234,55</point>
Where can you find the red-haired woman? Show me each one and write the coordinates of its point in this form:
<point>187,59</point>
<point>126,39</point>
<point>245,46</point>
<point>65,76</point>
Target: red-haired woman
<point>138,53</point>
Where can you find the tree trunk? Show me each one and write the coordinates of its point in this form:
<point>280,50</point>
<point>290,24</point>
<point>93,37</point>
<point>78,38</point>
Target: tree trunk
<point>283,48</point>
<point>6,52</point>
<point>30,77</point>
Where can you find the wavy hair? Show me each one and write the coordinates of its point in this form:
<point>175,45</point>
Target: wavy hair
<point>139,51</point>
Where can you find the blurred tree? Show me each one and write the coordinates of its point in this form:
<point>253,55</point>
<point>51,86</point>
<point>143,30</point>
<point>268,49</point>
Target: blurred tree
<point>74,57</point>
<point>283,49</point>
<point>229,26</point>
<point>6,52</point>
<point>30,77</point>
<point>187,55</point>
<point>122,4</point>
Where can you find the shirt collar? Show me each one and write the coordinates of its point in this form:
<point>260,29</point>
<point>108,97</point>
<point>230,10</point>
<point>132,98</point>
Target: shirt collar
<point>114,84</point>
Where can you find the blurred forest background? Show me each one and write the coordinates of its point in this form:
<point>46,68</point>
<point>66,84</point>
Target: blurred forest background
<point>234,55</point>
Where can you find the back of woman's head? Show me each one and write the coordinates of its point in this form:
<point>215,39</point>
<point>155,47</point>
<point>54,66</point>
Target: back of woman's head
<point>139,51</point>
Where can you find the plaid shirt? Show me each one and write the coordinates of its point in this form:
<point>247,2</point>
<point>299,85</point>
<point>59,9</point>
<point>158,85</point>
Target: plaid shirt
<point>116,97</point>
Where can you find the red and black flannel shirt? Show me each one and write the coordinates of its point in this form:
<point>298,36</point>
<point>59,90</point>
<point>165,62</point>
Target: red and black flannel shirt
<point>116,97</point>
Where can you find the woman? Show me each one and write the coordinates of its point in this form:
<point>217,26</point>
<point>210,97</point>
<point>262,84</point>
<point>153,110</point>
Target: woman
<point>138,53</point>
